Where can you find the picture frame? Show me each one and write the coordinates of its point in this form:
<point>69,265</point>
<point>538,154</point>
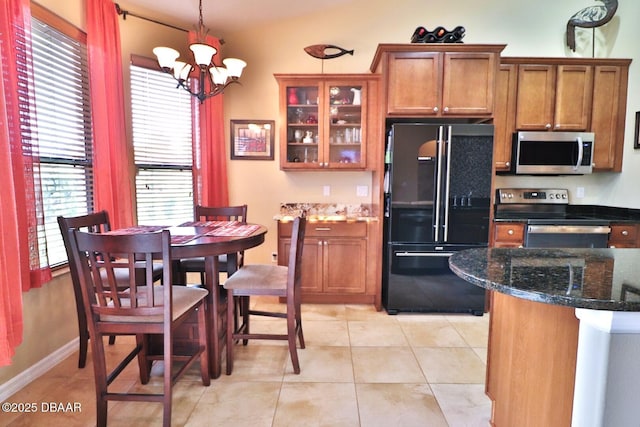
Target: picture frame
<point>252,139</point>
<point>636,138</point>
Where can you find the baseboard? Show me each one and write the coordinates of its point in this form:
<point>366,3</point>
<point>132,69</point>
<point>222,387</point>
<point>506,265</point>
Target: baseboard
<point>32,373</point>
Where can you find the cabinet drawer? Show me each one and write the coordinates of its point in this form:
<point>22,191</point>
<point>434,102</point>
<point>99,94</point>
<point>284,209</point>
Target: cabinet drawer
<point>513,233</point>
<point>623,234</point>
<point>320,229</point>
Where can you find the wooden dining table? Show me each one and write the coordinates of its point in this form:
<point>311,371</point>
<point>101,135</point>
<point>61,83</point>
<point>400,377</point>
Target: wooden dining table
<point>209,240</point>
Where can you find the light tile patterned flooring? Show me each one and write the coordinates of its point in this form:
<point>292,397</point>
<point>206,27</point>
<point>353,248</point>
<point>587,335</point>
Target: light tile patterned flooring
<point>360,368</point>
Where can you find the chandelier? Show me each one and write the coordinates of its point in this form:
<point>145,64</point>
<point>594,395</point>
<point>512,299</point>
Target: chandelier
<point>212,78</point>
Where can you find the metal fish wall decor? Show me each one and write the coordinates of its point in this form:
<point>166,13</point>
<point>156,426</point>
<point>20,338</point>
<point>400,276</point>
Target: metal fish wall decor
<point>326,51</point>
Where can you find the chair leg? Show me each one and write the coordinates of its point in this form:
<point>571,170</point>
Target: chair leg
<point>100,374</point>
<point>298,317</point>
<point>244,304</point>
<point>83,334</point>
<point>202,339</point>
<point>112,339</point>
<point>291,333</point>
<point>144,363</point>
<point>84,345</point>
<point>167,359</point>
<point>230,330</point>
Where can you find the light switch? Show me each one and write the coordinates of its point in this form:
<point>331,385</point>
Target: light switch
<point>362,190</point>
<point>326,190</point>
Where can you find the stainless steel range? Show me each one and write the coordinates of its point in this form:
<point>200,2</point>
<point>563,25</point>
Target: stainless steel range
<point>548,223</point>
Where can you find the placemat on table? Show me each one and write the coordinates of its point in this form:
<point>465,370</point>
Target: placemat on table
<point>236,229</point>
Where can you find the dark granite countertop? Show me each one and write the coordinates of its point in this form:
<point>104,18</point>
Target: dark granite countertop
<point>603,213</point>
<point>600,279</point>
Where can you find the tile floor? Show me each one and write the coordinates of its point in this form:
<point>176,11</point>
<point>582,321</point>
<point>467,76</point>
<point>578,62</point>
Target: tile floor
<point>360,368</point>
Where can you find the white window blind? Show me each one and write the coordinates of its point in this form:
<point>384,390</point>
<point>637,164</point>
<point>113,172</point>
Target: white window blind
<point>61,122</point>
<point>162,143</point>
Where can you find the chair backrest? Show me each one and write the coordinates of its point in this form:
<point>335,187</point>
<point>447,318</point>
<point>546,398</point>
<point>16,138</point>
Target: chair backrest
<point>100,260</point>
<point>220,213</point>
<point>295,257</point>
<point>97,223</point>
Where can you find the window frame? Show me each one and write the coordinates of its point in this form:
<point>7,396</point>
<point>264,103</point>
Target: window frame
<point>152,65</point>
<point>49,232</point>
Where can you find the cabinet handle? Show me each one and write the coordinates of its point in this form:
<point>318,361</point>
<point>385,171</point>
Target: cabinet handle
<point>507,164</point>
<point>323,228</point>
<point>446,109</point>
<point>326,243</point>
<point>510,232</point>
<point>548,126</point>
<point>435,109</point>
<point>320,243</point>
<point>624,233</point>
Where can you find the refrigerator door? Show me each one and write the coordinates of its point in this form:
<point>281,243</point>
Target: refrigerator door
<point>416,155</point>
<point>466,203</point>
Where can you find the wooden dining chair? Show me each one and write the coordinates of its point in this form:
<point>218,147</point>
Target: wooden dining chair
<point>141,310</point>
<point>97,223</point>
<point>274,280</point>
<point>215,213</point>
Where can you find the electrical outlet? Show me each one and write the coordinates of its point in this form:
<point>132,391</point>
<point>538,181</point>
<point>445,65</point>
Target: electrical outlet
<point>362,190</point>
<point>580,192</point>
<point>326,190</point>
<point>274,257</point>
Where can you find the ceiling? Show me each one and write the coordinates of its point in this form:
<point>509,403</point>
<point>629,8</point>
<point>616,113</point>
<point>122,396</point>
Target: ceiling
<point>223,16</point>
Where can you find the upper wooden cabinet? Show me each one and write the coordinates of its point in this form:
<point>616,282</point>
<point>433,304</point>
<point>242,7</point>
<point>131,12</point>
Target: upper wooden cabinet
<point>554,97</point>
<point>438,80</point>
<point>327,120</point>
<point>562,94</point>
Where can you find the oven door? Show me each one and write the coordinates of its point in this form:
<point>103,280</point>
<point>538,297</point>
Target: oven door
<point>567,236</point>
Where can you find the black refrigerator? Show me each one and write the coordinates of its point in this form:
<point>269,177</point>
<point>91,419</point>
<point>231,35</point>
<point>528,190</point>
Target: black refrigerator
<point>437,201</point>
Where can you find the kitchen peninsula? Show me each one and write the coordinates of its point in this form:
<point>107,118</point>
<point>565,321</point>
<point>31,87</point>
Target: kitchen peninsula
<point>564,334</point>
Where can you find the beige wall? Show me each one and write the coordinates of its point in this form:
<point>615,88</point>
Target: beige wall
<point>528,28</point>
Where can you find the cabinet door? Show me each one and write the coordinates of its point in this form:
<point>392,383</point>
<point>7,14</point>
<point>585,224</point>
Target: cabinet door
<point>535,97</point>
<point>468,83</point>
<point>345,124</point>
<point>345,265</point>
<point>607,121</point>
<point>311,262</point>
<point>574,91</point>
<point>504,114</point>
<point>414,83</point>
<point>299,145</point>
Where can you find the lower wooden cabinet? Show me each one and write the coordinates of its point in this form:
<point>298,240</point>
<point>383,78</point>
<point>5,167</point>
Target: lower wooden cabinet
<point>623,236</point>
<point>508,235</point>
<point>334,262</point>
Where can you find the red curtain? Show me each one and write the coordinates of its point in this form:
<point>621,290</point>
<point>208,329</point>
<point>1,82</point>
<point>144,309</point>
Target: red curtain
<point>20,205</point>
<point>111,159</point>
<point>210,157</point>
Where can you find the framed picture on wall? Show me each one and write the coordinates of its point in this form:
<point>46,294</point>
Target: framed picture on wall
<point>252,139</point>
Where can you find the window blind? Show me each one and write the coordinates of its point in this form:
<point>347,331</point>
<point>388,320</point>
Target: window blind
<point>163,150</point>
<point>61,122</point>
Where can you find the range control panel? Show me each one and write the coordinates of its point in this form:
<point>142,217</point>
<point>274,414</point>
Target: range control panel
<point>558,196</point>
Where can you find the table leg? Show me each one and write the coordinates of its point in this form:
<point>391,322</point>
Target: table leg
<point>212,283</point>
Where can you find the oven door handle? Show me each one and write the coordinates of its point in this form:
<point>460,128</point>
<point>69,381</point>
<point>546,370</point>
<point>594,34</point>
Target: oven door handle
<point>568,229</point>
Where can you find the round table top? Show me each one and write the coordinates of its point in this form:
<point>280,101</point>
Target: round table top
<point>599,279</point>
<point>198,241</point>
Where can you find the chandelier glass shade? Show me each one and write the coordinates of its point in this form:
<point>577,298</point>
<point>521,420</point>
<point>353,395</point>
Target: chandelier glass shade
<point>212,79</point>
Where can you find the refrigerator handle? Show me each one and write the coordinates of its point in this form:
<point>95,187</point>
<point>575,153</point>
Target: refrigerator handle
<point>445,220</point>
<point>438,183</point>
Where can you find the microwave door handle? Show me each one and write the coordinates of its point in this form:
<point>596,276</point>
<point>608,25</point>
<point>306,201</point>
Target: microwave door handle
<point>445,220</point>
<point>580,153</point>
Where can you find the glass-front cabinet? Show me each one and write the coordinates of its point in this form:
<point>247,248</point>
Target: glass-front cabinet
<point>323,121</point>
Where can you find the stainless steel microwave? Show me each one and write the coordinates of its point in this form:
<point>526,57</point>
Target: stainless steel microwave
<point>552,153</point>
